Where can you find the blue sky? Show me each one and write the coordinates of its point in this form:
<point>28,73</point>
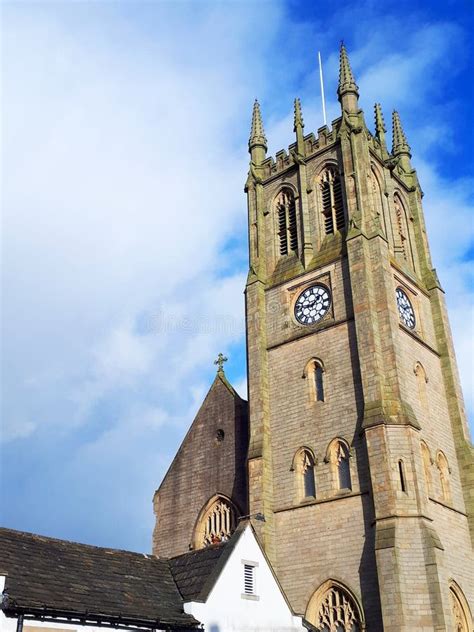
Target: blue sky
<point>125,128</point>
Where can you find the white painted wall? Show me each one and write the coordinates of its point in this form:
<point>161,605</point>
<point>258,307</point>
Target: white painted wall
<point>226,611</point>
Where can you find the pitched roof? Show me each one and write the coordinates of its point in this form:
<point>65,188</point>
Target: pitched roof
<point>196,572</point>
<point>61,578</point>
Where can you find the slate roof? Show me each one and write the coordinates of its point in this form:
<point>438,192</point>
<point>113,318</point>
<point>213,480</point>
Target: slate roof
<point>61,578</point>
<point>196,572</point>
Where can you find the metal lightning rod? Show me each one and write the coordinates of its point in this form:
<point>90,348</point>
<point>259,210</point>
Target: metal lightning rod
<point>322,87</point>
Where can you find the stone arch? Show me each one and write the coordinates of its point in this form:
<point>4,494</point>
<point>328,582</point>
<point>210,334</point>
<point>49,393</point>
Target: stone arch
<point>216,522</point>
<point>427,463</point>
<point>377,193</point>
<point>338,456</point>
<point>303,465</point>
<point>444,472</point>
<point>422,381</point>
<point>403,247</point>
<point>460,610</point>
<point>331,199</point>
<point>335,608</point>
<point>285,213</point>
<point>314,371</point>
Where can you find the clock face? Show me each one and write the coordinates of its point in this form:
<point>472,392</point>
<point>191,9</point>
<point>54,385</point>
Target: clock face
<point>312,304</point>
<point>405,309</point>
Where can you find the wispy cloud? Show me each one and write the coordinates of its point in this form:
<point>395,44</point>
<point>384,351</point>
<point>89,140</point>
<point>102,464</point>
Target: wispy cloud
<point>125,225</point>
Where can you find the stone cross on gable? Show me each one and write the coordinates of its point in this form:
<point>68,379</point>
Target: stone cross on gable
<point>220,362</point>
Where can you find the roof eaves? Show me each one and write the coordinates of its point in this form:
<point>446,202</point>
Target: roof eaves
<point>221,562</point>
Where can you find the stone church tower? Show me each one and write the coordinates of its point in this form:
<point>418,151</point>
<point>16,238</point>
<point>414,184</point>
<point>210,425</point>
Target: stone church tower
<point>359,473</point>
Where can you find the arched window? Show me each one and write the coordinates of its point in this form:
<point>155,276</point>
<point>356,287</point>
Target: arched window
<point>377,198</point>
<point>443,468</point>
<point>331,201</point>
<point>459,609</point>
<point>333,608</point>
<point>287,223</point>
<point>303,465</point>
<point>402,245</point>
<point>314,372</point>
<point>339,458</point>
<point>426,458</point>
<point>216,523</point>
<point>422,381</point>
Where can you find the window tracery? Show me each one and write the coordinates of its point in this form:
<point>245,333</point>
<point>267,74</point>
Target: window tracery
<point>339,456</point>
<point>459,609</point>
<point>216,523</point>
<point>332,201</point>
<point>333,609</point>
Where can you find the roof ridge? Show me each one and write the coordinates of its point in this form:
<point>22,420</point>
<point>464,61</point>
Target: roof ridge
<point>48,538</point>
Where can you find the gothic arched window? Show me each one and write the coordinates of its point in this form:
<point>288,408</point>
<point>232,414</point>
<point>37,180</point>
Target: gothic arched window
<point>402,245</point>
<point>314,372</point>
<point>426,458</point>
<point>422,380</point>
<point>331,201</point>
<point>459,609</point>
<point>303,465</point>
<point>377,198</point>
<point>443,469</point>
<point>339,458</point>
<point>287,222</point>
<point>216,522</point>
<point>333,609</point>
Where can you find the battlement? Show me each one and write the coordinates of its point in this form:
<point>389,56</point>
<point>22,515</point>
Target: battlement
<point>284,159</point>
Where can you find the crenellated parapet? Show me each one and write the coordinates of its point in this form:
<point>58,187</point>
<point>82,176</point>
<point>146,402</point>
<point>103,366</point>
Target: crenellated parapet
<point>312,145</point>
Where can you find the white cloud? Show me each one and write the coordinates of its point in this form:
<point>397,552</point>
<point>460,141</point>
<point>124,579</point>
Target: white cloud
<point>125,158</point>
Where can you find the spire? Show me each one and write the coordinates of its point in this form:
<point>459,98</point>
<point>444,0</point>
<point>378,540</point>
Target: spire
<point>257,133</point>
<point>399,141</point>
<point>347,91</point>
<point>257,140</point>
<point>298,116</point>
<point>380,128</point>
<point>298,128</point>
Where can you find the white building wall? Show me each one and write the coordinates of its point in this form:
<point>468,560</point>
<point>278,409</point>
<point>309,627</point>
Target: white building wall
<point>226,610</point>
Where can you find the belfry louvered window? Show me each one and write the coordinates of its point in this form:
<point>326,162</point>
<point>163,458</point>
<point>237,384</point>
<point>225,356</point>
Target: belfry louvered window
<point>332,202</point>
<point>287,222</point>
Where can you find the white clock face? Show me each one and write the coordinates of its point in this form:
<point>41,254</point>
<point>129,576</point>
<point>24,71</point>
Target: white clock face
<point>405,309</point>
<point>312,304</point>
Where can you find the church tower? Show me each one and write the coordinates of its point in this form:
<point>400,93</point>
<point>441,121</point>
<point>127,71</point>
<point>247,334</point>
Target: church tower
<point>359,458</point>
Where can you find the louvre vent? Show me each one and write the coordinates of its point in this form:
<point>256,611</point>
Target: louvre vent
<point>338,205</point>
<point>249,587</point>
<point>287,222</point>
<point>282,229</point>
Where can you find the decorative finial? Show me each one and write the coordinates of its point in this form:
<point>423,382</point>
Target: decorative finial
<point>257,133</point>
<point>399,141</point>
<point>379,122</point>
<point>346,78</point>
<point>220,363</point>
<point>380,128</point>
<point>298,121</point>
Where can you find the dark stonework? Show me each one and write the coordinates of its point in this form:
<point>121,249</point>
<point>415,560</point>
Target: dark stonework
<point>210,461</point>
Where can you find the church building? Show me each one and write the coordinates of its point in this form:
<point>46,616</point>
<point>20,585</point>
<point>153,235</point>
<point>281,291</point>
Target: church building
<point>352,457</point>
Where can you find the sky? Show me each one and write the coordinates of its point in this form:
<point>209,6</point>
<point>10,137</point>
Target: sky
<point>124,253</point>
